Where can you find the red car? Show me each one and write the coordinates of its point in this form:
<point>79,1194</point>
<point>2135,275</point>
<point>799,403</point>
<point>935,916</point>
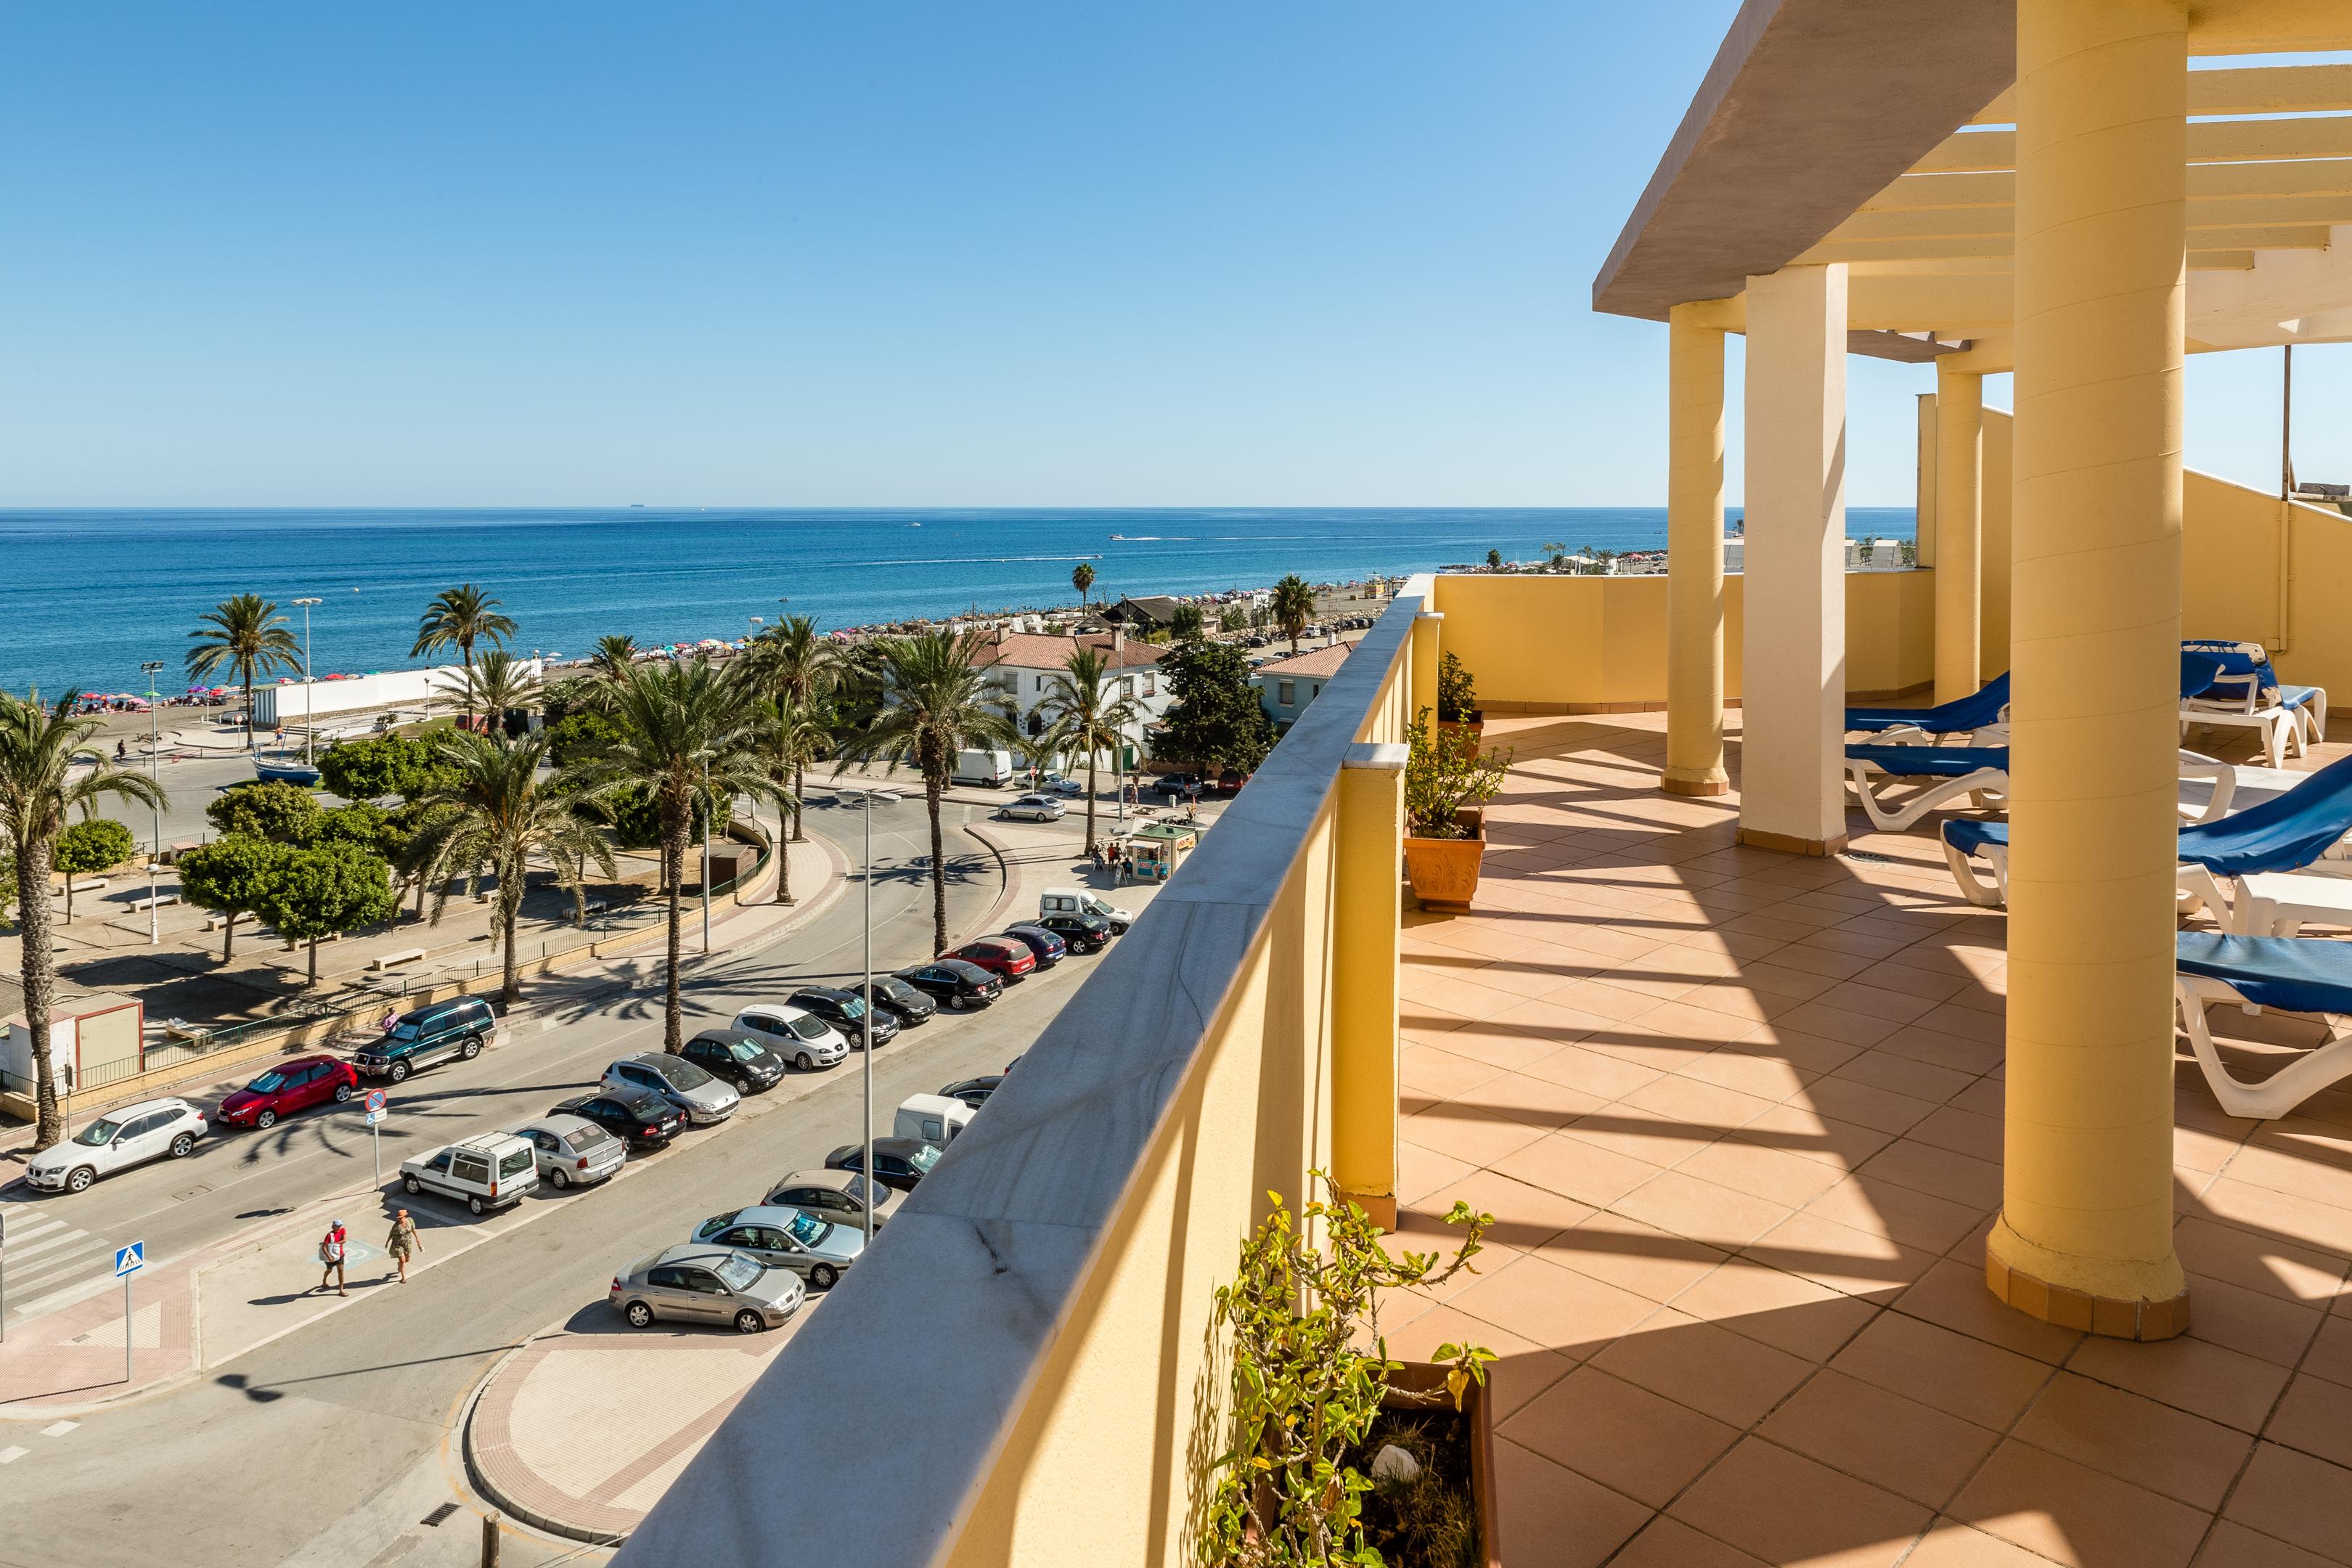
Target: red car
<point>288,1088</point>
<point>1008,960</point>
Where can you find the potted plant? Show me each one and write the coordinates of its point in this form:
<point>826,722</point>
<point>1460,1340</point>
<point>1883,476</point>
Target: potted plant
<point>1447,780</point>
<point>1331,1452</point>
<point>1457,697</point>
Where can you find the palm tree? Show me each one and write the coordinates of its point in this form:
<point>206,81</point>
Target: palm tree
<point>612,655</point>
<point>939,702</point>
<point>499,682</point>
<point>1294,606</point>
<point>1082,577</point>
<point>791,661</point>
<point>792,740</point>
<point>1088,712</point>
<point>490,816</point>
<point>691,735</point>
<point>40,754</point>
<point>248,636</point>
<point>459,617</point>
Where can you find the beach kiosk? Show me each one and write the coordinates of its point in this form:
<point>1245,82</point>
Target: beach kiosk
<point>1160,848</point>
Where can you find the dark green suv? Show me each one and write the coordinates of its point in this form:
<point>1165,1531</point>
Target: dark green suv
<point>457,1028</point>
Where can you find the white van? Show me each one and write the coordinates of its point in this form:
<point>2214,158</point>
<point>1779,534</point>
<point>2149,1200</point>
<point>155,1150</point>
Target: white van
<point>487,1173</point>
<point>933,1118</point>
<point>991,769</point>
<point>1078,902</point>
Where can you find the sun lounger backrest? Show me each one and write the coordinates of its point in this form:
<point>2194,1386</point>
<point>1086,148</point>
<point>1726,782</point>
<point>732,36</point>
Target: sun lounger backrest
<point>2245,671</point>
<point>2281,834</point>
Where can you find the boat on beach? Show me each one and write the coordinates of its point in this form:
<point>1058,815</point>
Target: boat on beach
<point>285,767</point>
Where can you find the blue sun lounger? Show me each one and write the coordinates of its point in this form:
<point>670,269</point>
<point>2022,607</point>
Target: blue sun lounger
<point>1953,772</point>
<point>2291,974</point>
<point>1986,706</point>
<point>2246,692</point>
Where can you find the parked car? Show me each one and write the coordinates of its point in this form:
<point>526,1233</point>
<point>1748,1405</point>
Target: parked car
<point>899,1163</point>
<point>445,1031</point>
<point>571,1150</point>
<point>955,984</point>
<point>815,1248</point>
<point>736,1057</point>
<point>285,1088</point>
<point>933,1118</point>
<point>893,995</point>
<point>1078,902</point>
<point>703,1099</point>
<point>1032,808</point>
<point>793,1033</point>
<point>491,1171</point>
<point>641,1120</point>
<point>1003,957</point>
<point>1057,784</point>
<point>974,1091</point>
<point>151,1130</point>
<point>1231,783</point>
<point>844,1013</point>
<point>1081,933</point>
<point>1047,948</point>
<point>696,1284</point>
<point>841,1197</point>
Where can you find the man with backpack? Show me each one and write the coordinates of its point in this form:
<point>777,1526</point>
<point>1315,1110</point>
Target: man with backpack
<point>330,1254</point>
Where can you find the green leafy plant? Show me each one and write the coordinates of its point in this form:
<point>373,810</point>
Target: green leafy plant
<point>278,812</point>
<point>1457,693</point>
<point>228,877</point>
<point>325,891</point>
<point>1495,559</point>
<point>92,846</point>
<point>1216,718</point>
<point>380,766</point>
<point>1444,771</point>
<point>1233,619</point>
<point>1309,1374</point>
<point>1187,623</point>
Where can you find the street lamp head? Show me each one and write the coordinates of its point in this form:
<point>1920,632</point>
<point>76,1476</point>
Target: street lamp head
<point>306,602</point>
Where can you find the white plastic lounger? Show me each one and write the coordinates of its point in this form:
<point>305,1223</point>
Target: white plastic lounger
<point>2208,788</point>
<point>2287,973</point>
<point>1976,771</point>
<point>2246,694</point>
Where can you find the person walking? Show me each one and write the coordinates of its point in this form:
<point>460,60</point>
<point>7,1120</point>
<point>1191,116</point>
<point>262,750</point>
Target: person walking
<point>330,1256</point>
<point>403,1243</point>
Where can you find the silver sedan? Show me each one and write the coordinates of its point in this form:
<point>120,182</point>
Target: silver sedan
<point>786,1238</point>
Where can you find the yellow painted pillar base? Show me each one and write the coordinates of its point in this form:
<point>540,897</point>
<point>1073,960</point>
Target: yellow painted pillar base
<point>1367,905</point>
<point>1674,780</point>
<point>2146,1303</point>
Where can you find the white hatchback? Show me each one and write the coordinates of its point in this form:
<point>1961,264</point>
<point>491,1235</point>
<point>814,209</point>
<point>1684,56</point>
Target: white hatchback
<point>152,1129</point>
<point>795,1034</point>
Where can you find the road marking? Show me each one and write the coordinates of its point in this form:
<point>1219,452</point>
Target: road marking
<point>10,1455</point>
<point>58,1428</point>
<point>60,1237</point>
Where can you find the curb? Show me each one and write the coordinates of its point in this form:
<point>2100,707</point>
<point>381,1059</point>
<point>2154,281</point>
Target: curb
<point>480,1481</point>
<point>992,919</point>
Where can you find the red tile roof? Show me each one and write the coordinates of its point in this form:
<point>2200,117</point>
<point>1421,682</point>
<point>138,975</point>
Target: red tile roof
<point>1315,661</point>
<point>1029,650</point>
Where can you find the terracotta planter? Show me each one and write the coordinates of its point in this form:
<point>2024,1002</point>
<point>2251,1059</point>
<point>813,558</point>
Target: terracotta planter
<point>1444,871</point>
<point>1415,1377</point>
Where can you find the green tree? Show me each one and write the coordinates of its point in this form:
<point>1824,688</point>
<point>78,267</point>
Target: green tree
<point>1087,712</point>
<point>244,635</point>
<point>793,738</point>
<point>95,844</point>
<point>1187,623</point>
<point>1233,619</point>
<point>499,683</point>
<point>362,824</point>
<point>939,702</point>
<point>1293,607</point>
<point>459,617</point>
<point>1216,719</point>
<point>281,812</point>
<point>614,654</point>
<point>40,786</point>
<point>1495,559</point>
<point>576,735</point>
<point>791,661</point>
<point>325,889</point>
<point>686,731</point>
<point>1082,578</point>
<point>378,766</point>
<point>494,815</point>
<point>229,876</point>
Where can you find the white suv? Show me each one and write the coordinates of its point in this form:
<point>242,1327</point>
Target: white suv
<point>132,1135</point>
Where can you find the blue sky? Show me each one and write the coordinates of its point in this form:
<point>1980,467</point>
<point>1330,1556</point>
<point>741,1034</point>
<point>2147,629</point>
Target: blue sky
<point>1320,252</point>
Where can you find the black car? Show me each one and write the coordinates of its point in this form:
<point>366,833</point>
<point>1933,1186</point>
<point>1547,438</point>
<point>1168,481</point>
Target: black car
<point>454,1031</point>
<point>893,995</point>
<point>1047,948</point>
<point>974,1091</point>
<point>646,1120</point>
<point>845,1011</point>
<point>736,1057</point>
<point>899,1163</point>
<point>1082,934</point>
<point>954,983</point>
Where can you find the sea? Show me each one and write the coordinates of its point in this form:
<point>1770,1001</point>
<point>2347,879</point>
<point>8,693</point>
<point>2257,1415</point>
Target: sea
<point>92,594</point>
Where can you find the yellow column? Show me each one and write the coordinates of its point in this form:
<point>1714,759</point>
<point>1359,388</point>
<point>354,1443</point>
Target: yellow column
<point>2086,1232</point>
<point>1694,555</point>
<point>1958,559</point>
<point>1425,627</point>
<point>1367,915</point>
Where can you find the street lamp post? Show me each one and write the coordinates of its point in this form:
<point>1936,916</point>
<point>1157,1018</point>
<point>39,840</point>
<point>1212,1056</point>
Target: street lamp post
<point>155,769</point>
<point>866,1018</point>
<point>309,707</point>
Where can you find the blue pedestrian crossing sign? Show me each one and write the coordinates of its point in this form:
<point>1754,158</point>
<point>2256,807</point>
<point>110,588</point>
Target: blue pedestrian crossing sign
<point>129,1259</point>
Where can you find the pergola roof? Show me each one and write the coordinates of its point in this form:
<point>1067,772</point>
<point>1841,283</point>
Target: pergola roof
<point>1878,135</point>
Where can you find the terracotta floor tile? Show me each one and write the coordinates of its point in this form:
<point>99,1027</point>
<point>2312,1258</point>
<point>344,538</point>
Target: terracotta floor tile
<point>1523,1370</point>
<point>1421,1172</point>
<point>1760,1074</point>
<point>1604,1076</point>
<point>1712,1369</point>
<point>1625,1438</point>
<point>1682,1204</point>
<point>2258,1262</point>
<point>1524,1215</point>
<point>2296,1497</point>
<point>2316,1416</point>
<point>1952,1294</point>
<point>2186,1374</point>
<point>1667,1542</point>
<point>1468,1130</point>
<point>1859,996</point>
<point>1550,1021</point>
<point>1557,1307</point>
<point>1782,1310</point>
<point>2331,1353</point>
<point>1657,1139</point>
<point>1681,1020</point>
<point>2320,1226</point>
<point>1553,1518</point>
<point>1883,1438</point>
<point>1817,1017</point>
<point>1849,1100</point>
<point>1815,960</point>
<point>1538,1102</point>
<point>1509,1046</point>
<point>1840,1256</point>
<point>2234,1546</point>
<point>2253,1322</point>
<point>1632,1256</point>
<point>2181,1455</point>
<point>1703,1105</point>
<point>1875,1205</point>
<point>1961,1132</point>
<point>1789,1180</point>
<point>2075,1515</point>
<point>1786,1508</point>
<point>1961,1377</point>
<point>1955,1545</point>
<point>1799,1129</point>
<point>1938,1173</point>
<point>1576,1168</point>
<point>1603,1001</point>
<point>1439,1073</point>
<point>1900,1075</point>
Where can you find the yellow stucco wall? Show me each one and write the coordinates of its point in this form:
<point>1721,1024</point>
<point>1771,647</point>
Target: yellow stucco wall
<point>2230,536</point>
<point>1593,643</point>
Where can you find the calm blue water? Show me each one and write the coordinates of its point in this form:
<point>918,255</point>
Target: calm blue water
<point>95,593</point>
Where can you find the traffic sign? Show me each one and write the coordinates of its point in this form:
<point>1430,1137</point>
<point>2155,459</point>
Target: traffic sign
<point>374,1103</point>
<point>374,1115</point>
<point>131,1259</point>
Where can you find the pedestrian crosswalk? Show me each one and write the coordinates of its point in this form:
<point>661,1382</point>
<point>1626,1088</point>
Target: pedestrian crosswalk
<point>43,1258</point>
